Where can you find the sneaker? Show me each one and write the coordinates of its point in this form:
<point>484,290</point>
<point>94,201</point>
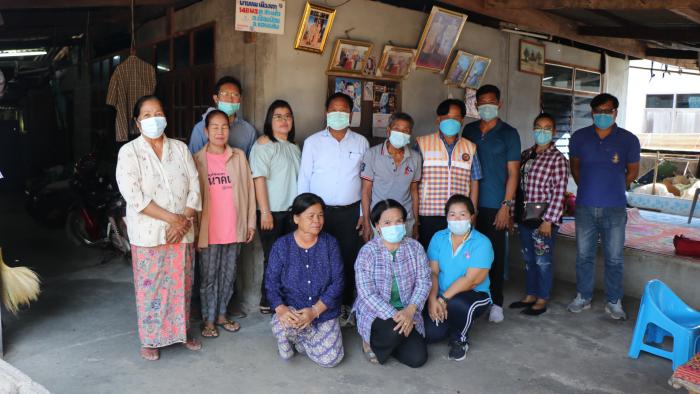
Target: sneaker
<point>579,304</point>
<point>458,350</point>
<point>496,314</point>
<point>615,310</point>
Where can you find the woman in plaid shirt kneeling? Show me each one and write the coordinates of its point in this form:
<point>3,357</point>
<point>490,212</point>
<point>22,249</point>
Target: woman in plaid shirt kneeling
<point>544,174</point>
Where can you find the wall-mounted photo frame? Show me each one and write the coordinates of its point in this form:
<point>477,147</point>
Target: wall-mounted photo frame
<point>395,62</point>
<point>349,56</point>
<point>459,69</point>
<point>476,74</point>
<point>439,37</point>
<point>315,25</point>
<point>532,57</point>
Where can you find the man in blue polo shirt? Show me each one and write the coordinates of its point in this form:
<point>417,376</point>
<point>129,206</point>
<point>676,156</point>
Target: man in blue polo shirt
<point>498,147</point>
<point>604,161</point>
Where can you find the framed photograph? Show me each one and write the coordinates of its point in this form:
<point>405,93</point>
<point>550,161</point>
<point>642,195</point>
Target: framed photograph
<point>370,66</point>
<point>531,57</point>
<point>314,26</point>
<point>395,62</point>
<point>439,37</point>
<point>477,72</point>
<point>470,103</point>
<point>349,56</point>
<point>459,69</point>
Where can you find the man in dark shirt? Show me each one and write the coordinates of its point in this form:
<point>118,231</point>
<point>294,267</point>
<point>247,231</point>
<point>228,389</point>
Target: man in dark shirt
<point>498,146</point>
<point>604,161</point>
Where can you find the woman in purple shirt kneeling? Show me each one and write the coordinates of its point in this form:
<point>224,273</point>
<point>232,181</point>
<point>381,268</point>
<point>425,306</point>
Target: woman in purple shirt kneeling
<point>393,282</point>
<point>304,284</point>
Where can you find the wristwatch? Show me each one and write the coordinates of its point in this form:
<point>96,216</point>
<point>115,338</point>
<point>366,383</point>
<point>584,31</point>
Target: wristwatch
<point>442,297</point>
<point>508,203</point>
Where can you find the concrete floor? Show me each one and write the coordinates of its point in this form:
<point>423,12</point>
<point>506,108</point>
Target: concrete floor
<point>80,337</point>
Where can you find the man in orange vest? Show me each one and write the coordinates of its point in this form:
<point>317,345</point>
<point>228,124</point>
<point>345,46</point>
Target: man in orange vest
<point>450,166</point>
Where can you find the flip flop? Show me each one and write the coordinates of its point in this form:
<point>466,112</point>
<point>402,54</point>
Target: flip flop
<point>149,354</point>
<point>369,355</point>
<point>265,310</point>
<point>192,344</point>
<point>229,325</point>
<point>210,332</point>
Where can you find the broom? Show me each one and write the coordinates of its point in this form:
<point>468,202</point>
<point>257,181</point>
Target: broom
<point>20,286</point>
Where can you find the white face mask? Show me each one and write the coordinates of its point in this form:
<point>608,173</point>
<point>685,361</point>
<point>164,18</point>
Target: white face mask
<point>153,127</point>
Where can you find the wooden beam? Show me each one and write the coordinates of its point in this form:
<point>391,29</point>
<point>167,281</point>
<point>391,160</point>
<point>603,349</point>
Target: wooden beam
<point>645,33</point>
<point>55,4</point>
<point>547,23</point>
<point>688,13</point>
<point>591,4</point>
<point>672,53</point>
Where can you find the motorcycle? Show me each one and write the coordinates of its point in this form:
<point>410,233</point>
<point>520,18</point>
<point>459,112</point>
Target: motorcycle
<point>48,195</point>
<point>97,216</point>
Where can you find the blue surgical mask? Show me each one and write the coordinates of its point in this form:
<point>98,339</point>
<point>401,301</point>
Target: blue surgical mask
<point>459,227</point>
<point>603,121</point>
<point>338,120</point>
<point>228,108</point>
<point>488,111</point>
<point>450,127</point>
<point>398,139</point>
<point>153,127</point>
<point>542,136</point>
<point>393,234</point>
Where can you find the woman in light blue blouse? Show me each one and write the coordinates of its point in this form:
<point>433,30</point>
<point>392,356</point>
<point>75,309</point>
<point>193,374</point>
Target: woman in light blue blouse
<point>274,161</point>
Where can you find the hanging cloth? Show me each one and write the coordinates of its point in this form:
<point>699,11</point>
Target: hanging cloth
<point>131,80</point>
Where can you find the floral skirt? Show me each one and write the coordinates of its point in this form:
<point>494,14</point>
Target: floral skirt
<point>163,284</point>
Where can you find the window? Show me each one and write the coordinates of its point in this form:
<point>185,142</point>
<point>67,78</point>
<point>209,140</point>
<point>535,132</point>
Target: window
<point>688,100</point>
<point>181,52</point>
<point>567,92</point>
<point>558,76</point>
<point>204,46</point>
<point>163,57</point>
<point>659,101</point>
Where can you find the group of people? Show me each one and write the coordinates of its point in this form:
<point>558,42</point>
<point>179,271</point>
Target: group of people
<point>405,242</point>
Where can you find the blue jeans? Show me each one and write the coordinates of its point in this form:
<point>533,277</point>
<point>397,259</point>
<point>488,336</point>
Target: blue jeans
<point>537,253</point>
<point>608,224</point>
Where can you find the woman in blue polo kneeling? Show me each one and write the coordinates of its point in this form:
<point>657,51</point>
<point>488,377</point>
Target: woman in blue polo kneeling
<point>460,258</point>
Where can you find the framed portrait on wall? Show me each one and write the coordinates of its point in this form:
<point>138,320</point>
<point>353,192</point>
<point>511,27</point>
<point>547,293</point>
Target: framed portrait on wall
<point>353,88</point>
<point>476,74</point>
<point>531,57</point>
<point>314,26</point>
<point>349,56</point>
<point>395,62</point>
<point>439,37</point>
<point>459,69</point>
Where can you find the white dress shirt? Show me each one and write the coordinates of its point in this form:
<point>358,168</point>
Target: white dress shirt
<point>172,183</point>
<point>331,168</point>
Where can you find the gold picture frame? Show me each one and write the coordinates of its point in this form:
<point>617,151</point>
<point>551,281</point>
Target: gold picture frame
<point>532,57</point>
<point>315,25</point>
<point>440,35</point>
<point>396,62</point>
<point>349,56</point>
<point>459,70</point>
<point>477,72</point>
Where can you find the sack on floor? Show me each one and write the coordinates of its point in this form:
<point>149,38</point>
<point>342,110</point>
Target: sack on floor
<point>686,246</point>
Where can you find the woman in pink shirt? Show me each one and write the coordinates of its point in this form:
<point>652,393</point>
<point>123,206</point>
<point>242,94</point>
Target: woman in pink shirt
<point>227,220</point>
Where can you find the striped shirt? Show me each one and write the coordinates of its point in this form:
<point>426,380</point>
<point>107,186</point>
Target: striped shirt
<point>543,178</point>
<point>375,269</point>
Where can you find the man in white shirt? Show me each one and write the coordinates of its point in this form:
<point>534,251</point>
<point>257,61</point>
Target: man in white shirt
<point>330,168</point>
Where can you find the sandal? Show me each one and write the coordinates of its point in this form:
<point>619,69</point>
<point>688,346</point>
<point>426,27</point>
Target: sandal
<point>150,354</point>
<point>210,332</point>
<point>265,310</point>
<point>369,354</point>
<point>192,344</point>
<point>229,325</point>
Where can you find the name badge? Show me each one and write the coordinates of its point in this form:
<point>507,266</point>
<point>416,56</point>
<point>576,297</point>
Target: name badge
<point>466,157</point>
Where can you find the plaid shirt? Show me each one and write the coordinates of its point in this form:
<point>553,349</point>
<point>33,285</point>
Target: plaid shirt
<point>544,179</point>
<point>131,80</point>
<point>375,270</point>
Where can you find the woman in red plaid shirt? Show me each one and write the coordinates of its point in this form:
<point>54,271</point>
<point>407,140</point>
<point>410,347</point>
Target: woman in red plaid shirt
<point>544,174</point>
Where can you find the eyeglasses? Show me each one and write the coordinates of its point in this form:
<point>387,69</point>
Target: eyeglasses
<point>229,95</point>
<point>604,111</point>
<point>279,117</point>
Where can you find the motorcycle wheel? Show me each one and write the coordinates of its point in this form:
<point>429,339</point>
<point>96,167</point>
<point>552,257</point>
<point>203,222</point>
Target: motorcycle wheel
<point>76,228</point>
